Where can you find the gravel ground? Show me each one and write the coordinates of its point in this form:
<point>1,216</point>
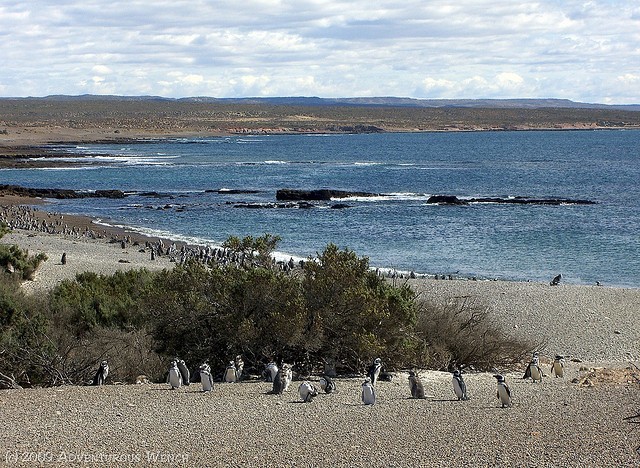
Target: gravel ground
<point>553,423</point>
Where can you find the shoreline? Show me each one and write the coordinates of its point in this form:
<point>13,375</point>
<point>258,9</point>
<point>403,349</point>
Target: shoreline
<point>597,324</point>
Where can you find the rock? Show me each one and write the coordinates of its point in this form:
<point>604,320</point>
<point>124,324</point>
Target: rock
<point>318,195</point>
<point>446,200</point>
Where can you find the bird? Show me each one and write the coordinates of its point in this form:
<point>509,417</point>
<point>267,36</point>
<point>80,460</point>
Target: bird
<point>239,367</point>
<point>558,366</point>
<point>374,371</point>
<point>503,393</point>
<point>534,371</point>
<point>278,383</point>
<point>230,374</point>
<point>459,386</point>
<point>205,377</point>
<point>415,385</point>
<point>307,391</point>
<point>535,359</point>
<point>287,373</point>
<point>175,377</point>
<point>101,374</point>
<point>184,371</point>
<point>368,393</point>
<point>270,371</point>
<point>556,280</point>
<point>327,384</point>
<point>63,260</point>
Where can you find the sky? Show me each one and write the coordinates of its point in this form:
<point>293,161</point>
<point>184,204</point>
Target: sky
<point>587,51</point>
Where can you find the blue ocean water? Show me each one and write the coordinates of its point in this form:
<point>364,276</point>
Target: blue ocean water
<point>586,243</point>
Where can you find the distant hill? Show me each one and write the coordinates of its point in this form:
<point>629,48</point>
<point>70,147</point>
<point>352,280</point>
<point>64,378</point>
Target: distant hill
<point>367,101</point>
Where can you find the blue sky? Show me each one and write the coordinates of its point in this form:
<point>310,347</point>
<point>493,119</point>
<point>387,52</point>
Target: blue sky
<point>586,51</point>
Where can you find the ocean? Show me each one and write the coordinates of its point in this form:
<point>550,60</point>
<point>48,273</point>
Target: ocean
<point>397,229</point>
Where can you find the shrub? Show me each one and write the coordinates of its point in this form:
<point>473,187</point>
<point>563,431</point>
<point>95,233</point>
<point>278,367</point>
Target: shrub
<point>461,334</point>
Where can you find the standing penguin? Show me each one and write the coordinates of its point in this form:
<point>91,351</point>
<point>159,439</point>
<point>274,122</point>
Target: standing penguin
<point>327,384</point>
<point>459,386</point>
<point>278,383</point>
<point>101,374</point>
<point>184,371</point>
<point>368,393</point>
<point>558,366</point>
<point>230,373</point>
<point>239,367</point>
<point>415,385</point>
<point>175,377</point>
<point>535,360</point>
<point>287,373</point>
<point>307,392</point>
<point>374,371</point>
<point>503,393</point>
<point>270,372</point>
<point>63,260</point>
<point>205,378</point>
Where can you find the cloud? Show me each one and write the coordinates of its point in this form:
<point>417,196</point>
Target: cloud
<point>467,48</point>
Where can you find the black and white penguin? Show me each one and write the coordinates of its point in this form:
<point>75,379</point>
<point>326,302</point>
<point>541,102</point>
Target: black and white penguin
<point>307,392</point>
<point>175,377</point>
<point>205,378</point>
<point>327,384</point>
<point>184,371</point>
<point>230,373</point>
<point>270,372</point>
<point>459,385</point>
<point>374,371</point>
<point>556,280</point>
<point>287,373</point>
<point>558,366</point>
<point>368,393</point>
<point>101,374</point>
<point>535,360</point>
<point>415,385</point>
<point>63,260</point>
<point>503,393</point>
<point>239,367</point>
<point>278,383</point>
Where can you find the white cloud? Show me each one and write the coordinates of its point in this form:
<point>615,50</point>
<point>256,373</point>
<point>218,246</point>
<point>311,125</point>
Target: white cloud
<point>464,48</point>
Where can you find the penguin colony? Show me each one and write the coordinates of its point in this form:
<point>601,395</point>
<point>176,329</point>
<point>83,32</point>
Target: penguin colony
<point>281,377</point>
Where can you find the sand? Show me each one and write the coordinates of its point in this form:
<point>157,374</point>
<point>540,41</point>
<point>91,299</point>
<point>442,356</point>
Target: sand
<point>558,422</point>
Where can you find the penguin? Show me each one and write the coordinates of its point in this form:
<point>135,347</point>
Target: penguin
<point>374,371</point>
<point>368,393</point>
<point>175,377</point>
<point>230,373</point>
<point>239,367</point>
<point>184,371</point>
<point>535,360</point>
<point>556,280</point>
<point>327,384</point>
<point>503,393</point>
<point>536,371</point>
<point>459,386</point>
<point>415,385</point>
<point>307,392</point>
<point>205,378</point>
<point>63,260</point>
<point>101,374</point>
<point>287,375</point>
<point>558,366</point>
<point>270,372</point>
<point>278,383</point>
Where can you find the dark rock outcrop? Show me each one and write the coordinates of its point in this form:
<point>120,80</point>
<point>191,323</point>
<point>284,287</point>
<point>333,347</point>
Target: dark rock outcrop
<point>58,193</point>
<point>453,200</point>
<point>318,195</point>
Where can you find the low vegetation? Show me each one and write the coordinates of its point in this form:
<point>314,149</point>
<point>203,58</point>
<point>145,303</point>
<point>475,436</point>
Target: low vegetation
<point>334,311</point>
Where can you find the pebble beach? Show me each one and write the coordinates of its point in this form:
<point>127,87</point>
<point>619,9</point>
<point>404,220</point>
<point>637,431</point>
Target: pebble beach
<point>577,420</point>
